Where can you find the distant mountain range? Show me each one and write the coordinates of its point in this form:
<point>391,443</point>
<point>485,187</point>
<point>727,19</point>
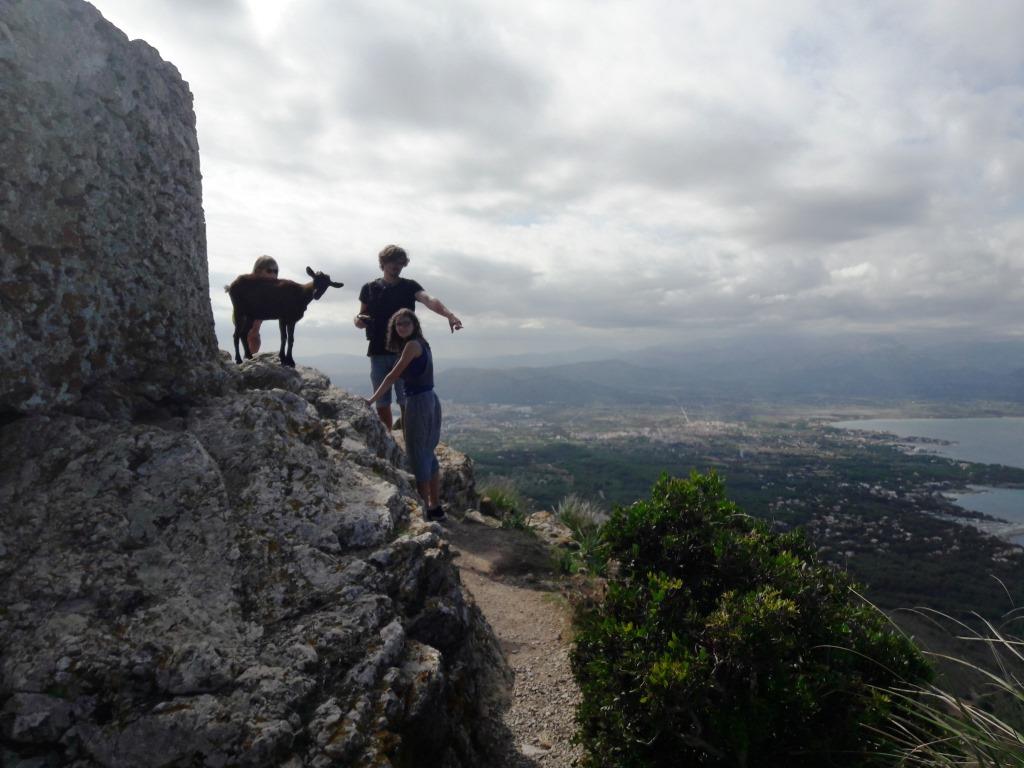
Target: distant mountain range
<point>784,369</point>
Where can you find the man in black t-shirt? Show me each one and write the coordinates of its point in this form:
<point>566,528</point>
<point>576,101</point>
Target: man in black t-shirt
<point>378,301</point>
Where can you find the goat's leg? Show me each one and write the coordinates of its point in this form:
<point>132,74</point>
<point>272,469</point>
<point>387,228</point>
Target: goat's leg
<point>243,325</point>
<point>284,338</point>
<point>291,343</point>
<point>242,331</point>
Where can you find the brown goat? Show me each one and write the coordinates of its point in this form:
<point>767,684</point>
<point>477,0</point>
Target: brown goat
<point>255,297</point>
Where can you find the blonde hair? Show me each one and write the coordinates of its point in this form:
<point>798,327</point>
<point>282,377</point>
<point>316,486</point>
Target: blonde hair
<point>264,262</point>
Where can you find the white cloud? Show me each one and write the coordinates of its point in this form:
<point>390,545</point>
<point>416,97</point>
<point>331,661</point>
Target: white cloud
<point>584,172</point>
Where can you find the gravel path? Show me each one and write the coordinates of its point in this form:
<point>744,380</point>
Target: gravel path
<point>508,573</point>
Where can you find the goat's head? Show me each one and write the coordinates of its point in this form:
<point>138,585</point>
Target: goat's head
<point>321,283</point>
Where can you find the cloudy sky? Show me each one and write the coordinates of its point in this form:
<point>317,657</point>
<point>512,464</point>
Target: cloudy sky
<point>607,172</point>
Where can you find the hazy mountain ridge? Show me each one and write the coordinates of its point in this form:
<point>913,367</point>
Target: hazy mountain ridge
<point>781,369</point>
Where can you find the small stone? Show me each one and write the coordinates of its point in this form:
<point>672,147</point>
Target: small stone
<point>475,517</point>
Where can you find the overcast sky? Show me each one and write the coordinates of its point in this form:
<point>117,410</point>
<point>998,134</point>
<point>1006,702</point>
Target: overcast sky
<point>568,174</point>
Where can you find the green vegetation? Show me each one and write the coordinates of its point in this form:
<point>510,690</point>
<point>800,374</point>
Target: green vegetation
<point>514,521</point>
<point>619,473</point>
<point>504,495</point>
<point>509,504</point>
<point>934,728</point>
<point>867,506</point>
<point>722,643</point>
<point>585,519</point>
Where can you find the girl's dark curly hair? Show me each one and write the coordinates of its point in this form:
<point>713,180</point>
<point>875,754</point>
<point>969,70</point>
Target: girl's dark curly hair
<point>395,343</point>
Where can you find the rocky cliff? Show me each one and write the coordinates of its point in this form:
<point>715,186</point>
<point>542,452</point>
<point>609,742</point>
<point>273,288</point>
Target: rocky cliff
<point>101,220</point>
<point>244,582</point>
<point>200,564</point>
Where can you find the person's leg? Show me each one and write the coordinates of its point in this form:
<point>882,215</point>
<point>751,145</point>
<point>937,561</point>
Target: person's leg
<point>400,398</point>
<point>424,491</point>
<point>254,336</point>
<point>430,440</point>
<point>419,413</point>
<point>380,367</point>
<point>384,411</point>
<point>435,491</point>
<point>435,438</point>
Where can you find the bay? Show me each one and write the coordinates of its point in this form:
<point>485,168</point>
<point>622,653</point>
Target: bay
<point>985,441</point>
<point>1004,503</point>
<point>981,440</point>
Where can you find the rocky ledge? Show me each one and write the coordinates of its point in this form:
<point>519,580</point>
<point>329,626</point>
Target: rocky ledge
<point>241,580</point>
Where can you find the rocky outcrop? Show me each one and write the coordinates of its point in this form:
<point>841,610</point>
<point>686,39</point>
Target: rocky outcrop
<point>551,530</point>
<point>104,281</point>
<point>248,582</point>
<point>200,564</point>
<point>458,481</point>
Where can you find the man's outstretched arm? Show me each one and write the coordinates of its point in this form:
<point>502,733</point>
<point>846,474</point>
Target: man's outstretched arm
<point>437,306</point>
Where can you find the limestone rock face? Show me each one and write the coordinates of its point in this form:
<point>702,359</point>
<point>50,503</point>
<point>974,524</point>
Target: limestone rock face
<point>102,236</point>
<point>248,582</point>
<point>552,530</point>
<point>458,481</point>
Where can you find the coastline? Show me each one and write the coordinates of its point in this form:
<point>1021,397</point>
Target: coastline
<point>991,516</point>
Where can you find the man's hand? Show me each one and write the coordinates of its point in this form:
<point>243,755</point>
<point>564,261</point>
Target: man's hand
<point>361,321</point>
<point>454,323</point>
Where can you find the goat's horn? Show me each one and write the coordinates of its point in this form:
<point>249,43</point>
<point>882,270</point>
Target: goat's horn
<point>310,272</point>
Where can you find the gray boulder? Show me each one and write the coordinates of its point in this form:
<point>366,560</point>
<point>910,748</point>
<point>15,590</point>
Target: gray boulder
<point>247,583</point>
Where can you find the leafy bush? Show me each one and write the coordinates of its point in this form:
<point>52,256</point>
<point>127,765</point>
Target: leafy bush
<point>584,519</point>
<point>721,643</point>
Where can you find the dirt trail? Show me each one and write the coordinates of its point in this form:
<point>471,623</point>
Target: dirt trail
<point>510,575</point>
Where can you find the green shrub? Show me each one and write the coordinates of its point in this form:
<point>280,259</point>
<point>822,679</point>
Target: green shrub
<point>505,496</point>
<point>515,521</point>
<point>567,562</point>
<point>579,513</point>
<point>509,505</point>
<point>721,643</point>
<point>584,519</point>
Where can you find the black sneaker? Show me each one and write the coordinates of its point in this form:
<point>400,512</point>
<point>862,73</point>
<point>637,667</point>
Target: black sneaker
<point>437,513</point>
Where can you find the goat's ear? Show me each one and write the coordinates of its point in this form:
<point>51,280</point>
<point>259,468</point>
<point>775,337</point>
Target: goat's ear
<point>310,272</point>
<point>336,285</point>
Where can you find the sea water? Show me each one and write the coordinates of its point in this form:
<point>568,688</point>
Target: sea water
<point>984,441</point>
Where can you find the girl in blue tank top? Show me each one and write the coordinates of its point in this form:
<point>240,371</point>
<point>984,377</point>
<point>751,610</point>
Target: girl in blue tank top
<point>421,421</point>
